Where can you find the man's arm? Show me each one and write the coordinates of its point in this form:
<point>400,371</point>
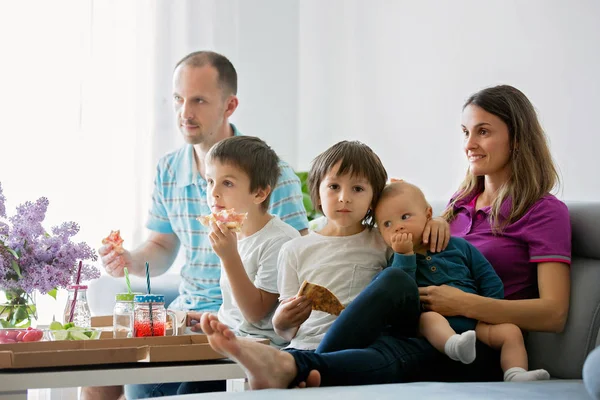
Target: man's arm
<point>159,250</point>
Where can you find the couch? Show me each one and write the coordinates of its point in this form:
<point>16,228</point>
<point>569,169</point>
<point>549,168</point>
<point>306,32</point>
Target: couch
<point>562,354</point>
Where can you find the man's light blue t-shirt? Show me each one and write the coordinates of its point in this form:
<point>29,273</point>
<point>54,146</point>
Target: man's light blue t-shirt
<point>180,197</point>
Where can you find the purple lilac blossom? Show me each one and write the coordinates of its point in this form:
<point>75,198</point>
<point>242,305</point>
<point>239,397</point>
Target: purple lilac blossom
<point>2,203</point>
<point>45,261</point>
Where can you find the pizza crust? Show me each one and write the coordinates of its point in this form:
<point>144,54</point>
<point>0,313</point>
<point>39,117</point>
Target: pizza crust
<point>232,220</point>
<point>322,298</point>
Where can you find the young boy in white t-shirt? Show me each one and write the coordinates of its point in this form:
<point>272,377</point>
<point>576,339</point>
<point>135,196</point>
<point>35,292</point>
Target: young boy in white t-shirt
<point>241,172</point>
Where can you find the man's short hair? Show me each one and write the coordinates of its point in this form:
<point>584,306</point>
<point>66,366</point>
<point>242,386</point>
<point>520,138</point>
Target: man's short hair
<point>253,156</point>
<point>227,74</point>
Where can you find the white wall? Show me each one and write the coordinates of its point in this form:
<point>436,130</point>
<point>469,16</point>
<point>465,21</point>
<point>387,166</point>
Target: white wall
<point>395,74</point>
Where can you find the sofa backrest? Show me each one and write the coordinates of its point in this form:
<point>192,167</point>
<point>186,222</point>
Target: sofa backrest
<point>563,354</point>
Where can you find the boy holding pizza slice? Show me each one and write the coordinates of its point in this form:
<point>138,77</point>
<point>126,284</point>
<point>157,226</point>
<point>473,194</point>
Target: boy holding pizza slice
<point>241,172</point>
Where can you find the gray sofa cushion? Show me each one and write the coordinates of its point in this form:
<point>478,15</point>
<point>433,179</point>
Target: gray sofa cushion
<point>420,390</point>
<point>102,291</point>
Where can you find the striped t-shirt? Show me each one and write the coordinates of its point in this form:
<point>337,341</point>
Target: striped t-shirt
<point>180,197</point>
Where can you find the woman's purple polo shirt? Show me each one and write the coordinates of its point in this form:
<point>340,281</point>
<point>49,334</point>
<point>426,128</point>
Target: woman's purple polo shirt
<point>543,234</point>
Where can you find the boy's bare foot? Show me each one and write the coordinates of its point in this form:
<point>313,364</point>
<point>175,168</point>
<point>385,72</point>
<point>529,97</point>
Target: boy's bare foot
<point>265,366</point>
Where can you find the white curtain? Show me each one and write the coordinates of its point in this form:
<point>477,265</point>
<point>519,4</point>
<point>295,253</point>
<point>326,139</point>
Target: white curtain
<point>77,94</point>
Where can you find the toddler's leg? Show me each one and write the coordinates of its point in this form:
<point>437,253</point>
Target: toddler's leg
<point>438,332</point>
<point>513,356</point>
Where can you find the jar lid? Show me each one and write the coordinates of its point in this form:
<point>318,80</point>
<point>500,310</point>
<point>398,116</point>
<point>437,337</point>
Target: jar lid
<point>149,298</point>
<point>125,296</point>
<point>78,287</point>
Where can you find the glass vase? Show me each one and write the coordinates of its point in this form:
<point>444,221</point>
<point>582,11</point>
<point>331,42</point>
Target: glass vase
<point>17,309</point>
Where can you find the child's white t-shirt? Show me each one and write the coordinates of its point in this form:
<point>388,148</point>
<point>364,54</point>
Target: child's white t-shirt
<point>343,264</point>
<point>259,255</point>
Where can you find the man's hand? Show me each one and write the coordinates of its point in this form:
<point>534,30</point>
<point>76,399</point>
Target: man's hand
<point>113,261</point>
<point>402,243</point>
<point>292,312</point>
<point>437,234</point>
<point>223,240</point>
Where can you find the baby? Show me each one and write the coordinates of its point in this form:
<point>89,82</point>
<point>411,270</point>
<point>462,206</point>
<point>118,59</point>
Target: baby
<point>401,216</point>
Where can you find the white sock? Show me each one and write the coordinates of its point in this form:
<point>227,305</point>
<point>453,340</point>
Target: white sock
<point>461,347</point>
<point>517,374</point>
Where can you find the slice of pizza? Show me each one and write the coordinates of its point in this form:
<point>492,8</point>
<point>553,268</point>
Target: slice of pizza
<point>116,240</point>
<point>321,297</point>
<point>229,218</point>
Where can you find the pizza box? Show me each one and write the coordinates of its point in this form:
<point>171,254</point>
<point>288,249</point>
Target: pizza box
<point>66,353</point>
<point>108,351</point>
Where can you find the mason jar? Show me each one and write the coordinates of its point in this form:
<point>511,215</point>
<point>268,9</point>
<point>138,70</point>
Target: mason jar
<point>123,315</point>
<point>150,316</point>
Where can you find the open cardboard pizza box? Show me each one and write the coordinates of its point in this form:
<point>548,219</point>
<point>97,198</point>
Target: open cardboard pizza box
<point>108,351</point>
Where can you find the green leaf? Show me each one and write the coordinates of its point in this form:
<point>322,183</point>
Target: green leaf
<point>15,266</point>
<point>6,324</point>
<point>14,253</point>
<point>53,293</point>
<point>303,176</point>
<point>307,203</point>
<point>20,315</point>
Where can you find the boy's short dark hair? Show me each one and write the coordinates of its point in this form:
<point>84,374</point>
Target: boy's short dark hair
<point>253,156</point>
<point>356,159</point>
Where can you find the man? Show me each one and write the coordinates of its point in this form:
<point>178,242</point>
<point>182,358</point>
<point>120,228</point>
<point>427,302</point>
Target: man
<point>204,97</point>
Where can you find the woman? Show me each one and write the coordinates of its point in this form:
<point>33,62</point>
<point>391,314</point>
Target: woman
<point>504,208</point>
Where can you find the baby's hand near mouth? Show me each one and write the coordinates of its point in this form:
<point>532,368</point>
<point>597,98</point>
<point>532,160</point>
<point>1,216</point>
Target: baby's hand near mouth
<point>402,243</point>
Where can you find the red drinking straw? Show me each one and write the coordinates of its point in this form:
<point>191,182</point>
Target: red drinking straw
<point>75,294</point>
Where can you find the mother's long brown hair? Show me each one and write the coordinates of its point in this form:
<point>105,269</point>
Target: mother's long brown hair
<point>533,173</point>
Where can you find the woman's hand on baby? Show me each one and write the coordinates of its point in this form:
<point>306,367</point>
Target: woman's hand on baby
<point>402,243</point>
<point>223,240</point>
<point>445,300</point>
<point>437,234</point>
<point>292,312</point>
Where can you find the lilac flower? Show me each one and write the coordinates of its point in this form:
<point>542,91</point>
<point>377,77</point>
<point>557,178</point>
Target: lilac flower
<point>43,261</point>
<point>2,201</point>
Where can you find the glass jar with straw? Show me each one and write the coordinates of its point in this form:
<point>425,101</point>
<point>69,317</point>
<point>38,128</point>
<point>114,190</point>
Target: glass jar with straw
<point>77,310</point>
<point>123,312</point>
<point>149,313</point>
